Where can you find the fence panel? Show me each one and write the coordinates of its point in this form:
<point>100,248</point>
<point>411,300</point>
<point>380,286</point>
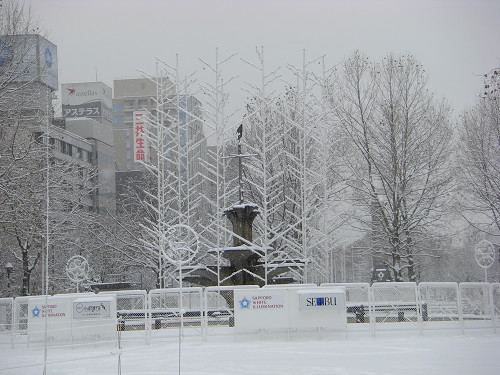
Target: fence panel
<point>210,311</point>
<point>21,315</point>
<point>7,321</point>
<point>395,306</point>
<point>20,319</point>
<point>495,295</point>
<point>219,307</point>
<point>358,302</point>
<point>166,311</point>
<point>440,305</point>
<point>6,316</point>
<point>131,311</point>
<point>476,306</point>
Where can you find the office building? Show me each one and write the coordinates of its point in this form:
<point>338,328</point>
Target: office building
<point>86,110</point>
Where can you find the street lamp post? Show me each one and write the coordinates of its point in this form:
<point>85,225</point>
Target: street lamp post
<point>8,267</point>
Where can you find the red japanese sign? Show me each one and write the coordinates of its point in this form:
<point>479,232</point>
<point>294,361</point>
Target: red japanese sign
<point>141,144</point>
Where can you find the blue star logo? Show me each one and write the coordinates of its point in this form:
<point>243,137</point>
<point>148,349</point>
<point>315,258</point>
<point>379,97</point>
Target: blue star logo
<point>245,303</point>
<point>36,312</point>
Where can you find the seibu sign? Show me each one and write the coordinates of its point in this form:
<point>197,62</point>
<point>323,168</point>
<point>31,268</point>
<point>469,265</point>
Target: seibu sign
<point>320,302</point>
<point>332,299</point>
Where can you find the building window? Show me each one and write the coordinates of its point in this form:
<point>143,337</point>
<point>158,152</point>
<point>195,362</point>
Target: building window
<point>118,119</point>
<point>58,145</point>
<point>129,105</point>
<point>128,143</point>
<point>117,107</point>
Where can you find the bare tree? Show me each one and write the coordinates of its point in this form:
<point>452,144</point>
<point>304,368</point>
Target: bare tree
<point>28,165</point>
<point>399,171</point>
<point>122,235</point>
<point>23,105</point>
<point>479,156</point>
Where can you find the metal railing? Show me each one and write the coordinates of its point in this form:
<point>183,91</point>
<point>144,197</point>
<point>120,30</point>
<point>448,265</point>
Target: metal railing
<point>210,311</point>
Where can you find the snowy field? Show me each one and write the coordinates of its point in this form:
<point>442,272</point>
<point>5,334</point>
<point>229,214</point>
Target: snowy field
<point>389,353</point>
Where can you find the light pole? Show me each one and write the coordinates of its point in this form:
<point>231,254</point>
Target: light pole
<point>8,267</point>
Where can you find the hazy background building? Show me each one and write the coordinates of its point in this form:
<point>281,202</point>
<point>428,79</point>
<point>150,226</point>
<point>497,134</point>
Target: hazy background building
<point>86,110</point>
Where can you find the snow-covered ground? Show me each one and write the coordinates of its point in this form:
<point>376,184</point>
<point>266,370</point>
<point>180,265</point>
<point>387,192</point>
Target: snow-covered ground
<point>389,353</point>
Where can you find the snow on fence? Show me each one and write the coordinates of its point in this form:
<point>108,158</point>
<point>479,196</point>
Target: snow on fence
<point>165,310</point>
<point>358,302</point>
<point>219,308</point>
<point>476,305</point>
<point>210,311</point>
<point>441,301</point>
<point>495,297</point>
<point>20,309</point>
<point>132,311</point>
<point>6,317</point>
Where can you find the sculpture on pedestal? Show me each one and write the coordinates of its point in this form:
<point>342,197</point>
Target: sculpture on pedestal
<point>246,261</point>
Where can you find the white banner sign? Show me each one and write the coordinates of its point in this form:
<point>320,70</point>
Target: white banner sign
<point>284,308</point>
<point>91,99</point>
<point>75,94</point>
<point>260,309</point>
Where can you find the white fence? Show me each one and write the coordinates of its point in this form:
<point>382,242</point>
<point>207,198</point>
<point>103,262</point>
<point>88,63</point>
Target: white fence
<point>210,312</point>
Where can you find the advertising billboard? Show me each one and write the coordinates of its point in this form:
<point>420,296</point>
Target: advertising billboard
<point>33,58</point>
<point>71,317</point>
<point>89,99</point>
<point>322,299</point>
<point>141,142</point>
<point>261,309</point>
<point>289,308</point>
<point>85,309</point>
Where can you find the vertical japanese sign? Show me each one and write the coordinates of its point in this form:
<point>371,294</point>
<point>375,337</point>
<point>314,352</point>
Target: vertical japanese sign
<point>141,144</point>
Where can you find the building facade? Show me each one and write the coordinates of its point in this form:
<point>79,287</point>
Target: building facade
<point>86,110</point>
<point>140,94</point>
<point>129,95</point>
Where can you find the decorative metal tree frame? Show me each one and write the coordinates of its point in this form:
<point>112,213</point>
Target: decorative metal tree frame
<point>77,270</point>
<point>178,148</point>
<point>288,179</point>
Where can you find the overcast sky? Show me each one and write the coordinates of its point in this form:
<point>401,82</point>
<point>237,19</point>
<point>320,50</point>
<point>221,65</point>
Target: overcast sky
<point>456,40</point>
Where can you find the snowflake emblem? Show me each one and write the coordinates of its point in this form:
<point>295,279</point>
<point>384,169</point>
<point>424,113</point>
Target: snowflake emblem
<point>36,312</point>
<point>245,303</point>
